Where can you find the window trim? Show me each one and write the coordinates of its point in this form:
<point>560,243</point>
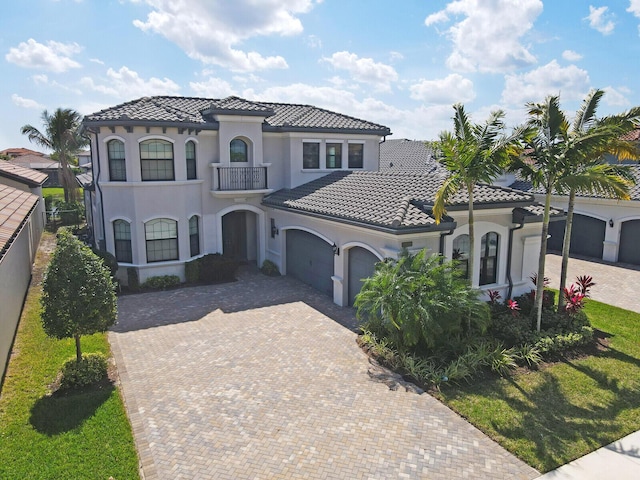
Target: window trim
<point>337,156</point>
<point>122,162</point>
<point>129,258</point>
<point>148,241</point>
<point>246,152</point>
<point>151,161</point>
<point>316,162</point>
<point>195,236</point>
<point>484,257</point>
<point>349,162</point>
<point>193,168</point>
<point>463,262</point>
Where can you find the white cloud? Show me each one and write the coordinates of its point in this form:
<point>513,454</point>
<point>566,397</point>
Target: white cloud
<point>96,60</point>
<point>616,97</point>
<point>40,79</point>
<point>488,39</point>
<point>600,20</point>
<point>126,83</point>
<point>25,102</point>
<point>634,7</point>
<point>53,57</point>
<point>451,89</point>
<point>364,70</point>
<point>212,88</point>
<point>314,41</point>
<point>209,30</point>
<point>571,82</point>
<point>571,56</point>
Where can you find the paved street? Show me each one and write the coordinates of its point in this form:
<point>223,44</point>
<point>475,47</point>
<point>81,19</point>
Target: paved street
<point>262,378</point>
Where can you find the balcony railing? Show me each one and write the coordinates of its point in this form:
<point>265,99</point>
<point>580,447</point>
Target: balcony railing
<point>242,178</point>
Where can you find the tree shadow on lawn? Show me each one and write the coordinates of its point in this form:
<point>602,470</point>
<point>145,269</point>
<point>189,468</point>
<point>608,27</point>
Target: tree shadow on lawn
<point>65,411</point>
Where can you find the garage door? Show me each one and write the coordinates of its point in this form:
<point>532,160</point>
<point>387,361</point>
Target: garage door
<point>587,236</point>
<point>361,265</point>
<point>629,239</point>
<point>310,259</point>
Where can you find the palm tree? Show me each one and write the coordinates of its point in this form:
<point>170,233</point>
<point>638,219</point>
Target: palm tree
<point>590,173</point>
<point>473,153</point>
<point>554,151</point>
<point>62,135</point>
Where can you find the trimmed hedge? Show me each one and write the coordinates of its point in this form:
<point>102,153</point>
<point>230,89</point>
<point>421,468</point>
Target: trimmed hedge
<point>211,268</point>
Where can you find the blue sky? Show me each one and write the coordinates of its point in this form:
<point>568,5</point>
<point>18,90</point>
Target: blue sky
<point>402,64</point>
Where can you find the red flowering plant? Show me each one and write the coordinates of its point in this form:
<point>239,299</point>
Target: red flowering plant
<point>512,305</point>
<point>574,299</point>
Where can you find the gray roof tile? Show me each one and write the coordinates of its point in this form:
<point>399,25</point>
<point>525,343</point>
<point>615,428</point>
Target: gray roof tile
<point>387,200</point>
<point>404,155</point>
<point>193,111</point>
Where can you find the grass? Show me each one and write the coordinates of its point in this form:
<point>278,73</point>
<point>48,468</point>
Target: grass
<point>55,192</point>
<point>43,436</point>
<point>567,409</point>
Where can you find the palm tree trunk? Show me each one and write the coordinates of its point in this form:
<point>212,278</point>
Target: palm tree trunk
<point>566,244</point>
<point>472,238</point>
<point>542,259</point>
<point>78,351</point>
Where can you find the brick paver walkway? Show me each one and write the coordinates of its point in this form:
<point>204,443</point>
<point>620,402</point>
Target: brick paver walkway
<point>262,378</point>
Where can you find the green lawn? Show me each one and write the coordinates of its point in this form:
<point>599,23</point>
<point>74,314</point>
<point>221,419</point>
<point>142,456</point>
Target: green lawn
<point>85,435</point>
<point>55,192</point>
<point>567,409</point>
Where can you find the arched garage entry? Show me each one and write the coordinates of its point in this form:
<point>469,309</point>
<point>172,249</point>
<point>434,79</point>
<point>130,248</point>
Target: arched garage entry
<point>310,260</point>
<point>361,265</point>
<point>629,252</point>
<point>587,236</point>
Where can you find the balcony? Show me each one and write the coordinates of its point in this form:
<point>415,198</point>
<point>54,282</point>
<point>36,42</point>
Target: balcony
<point>232,180</point>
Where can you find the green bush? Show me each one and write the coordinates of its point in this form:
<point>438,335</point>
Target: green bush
<point>108,259</point>
<point>71,213</point>
<point>269,268</point>
<point>161,282</point>
<point>133,280</point>
<point>192,271</point>
<point>217,268</point>
<point>91,369</point>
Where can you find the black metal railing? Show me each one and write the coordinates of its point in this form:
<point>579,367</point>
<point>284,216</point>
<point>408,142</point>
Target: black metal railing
<point>242,178</point>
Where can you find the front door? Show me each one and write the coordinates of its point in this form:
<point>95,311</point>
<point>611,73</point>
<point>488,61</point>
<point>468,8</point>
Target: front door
<point>234,235</point>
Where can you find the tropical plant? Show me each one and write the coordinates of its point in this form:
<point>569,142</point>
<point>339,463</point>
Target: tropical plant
<point>78,295</point>
<point>553,149</point>
<point>472,153</point>
<point>420,301</point>
<point>62,135</point>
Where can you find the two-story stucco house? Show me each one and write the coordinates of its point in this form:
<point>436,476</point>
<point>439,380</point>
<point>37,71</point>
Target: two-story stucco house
<point>174,178</point>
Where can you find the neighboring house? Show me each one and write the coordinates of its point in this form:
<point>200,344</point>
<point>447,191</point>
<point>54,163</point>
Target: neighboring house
<point>23,157</point>
<point>84,160</point>
<point>404,155</point>
<point>20,230</point>
<point>28,180</point>
<point>174,178</point>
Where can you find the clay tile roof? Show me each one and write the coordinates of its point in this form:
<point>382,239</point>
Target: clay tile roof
<point>633,135</point>
<point>197,112</point>
<point>15,207</point>
<point>384,200</point>
<point>404,155</point>
<point>21,174</point>
<point>16,152</point>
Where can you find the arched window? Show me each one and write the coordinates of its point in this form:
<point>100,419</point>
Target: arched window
<point>161,237</point>
<point>194,236</point>
<point>122,237</point>
<point>117,168</point>
<point>239,151</point>
<point>156,160</point>
<point>190,153</point>
<point>489,258</point>
<point>461,253</point>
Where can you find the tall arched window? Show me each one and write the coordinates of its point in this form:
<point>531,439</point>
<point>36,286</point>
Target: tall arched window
<point>122,237</point>
<point>117,168</point>
<point>161,237</point>
<point>190,153</point>
<point>461,253</point>
<point>194,236</point>
<point>489,258</point>
<point>239,151</point>
<point>156,160</point>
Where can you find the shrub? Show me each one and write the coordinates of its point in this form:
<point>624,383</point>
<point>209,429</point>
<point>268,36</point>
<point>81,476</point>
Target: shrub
<point>161,282</point>
<point>108,259</point>
<point>217,268</point>
<point>71,213</point>
<point>133,281</point>
<point>89,370</point>
<point>192,271</point>
<point>269,268</point>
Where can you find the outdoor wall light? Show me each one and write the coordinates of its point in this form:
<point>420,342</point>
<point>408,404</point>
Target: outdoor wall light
<point>611,222</point>
<point>336,250</point>
<point>274,229</point>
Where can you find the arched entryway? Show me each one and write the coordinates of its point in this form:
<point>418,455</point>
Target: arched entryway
<point>310,260</point>
<point>240,235</point>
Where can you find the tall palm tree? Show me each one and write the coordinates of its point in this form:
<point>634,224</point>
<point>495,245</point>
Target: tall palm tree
<point>590,173</point>
<point>554,149</point>
<point>472,153</point>
<point>62,135</point>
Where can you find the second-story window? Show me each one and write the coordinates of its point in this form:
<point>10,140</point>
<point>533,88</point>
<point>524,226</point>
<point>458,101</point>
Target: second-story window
<point>117,168</point>
<point>334,155</point>
<point>190,152</point>
<point>239,151</point>
<point>356,155</point>
<point>310,155</point>
<point>156,160</point>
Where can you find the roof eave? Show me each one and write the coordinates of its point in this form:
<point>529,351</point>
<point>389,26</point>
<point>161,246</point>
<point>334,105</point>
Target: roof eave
<point>87,124</point>
<point>352,131</point>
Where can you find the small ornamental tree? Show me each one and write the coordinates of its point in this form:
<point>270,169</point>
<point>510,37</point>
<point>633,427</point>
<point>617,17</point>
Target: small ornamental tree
<point>78,295</point>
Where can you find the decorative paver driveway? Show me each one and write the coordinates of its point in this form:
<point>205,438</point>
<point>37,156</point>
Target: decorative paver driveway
<point>262,378</point>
